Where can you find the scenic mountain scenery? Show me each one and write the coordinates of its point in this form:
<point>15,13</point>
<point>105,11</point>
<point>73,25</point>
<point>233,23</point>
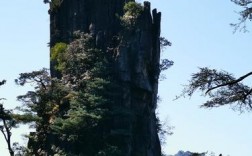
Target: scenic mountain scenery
<point>125,78</point>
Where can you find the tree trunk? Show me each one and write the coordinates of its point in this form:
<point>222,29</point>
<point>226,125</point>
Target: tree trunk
<point>136,64</point>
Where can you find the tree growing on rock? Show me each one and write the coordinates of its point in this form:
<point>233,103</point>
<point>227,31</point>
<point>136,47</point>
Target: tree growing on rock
<point>101,94</point>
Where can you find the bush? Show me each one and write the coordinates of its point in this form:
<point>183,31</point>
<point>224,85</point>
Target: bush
<point>58,55</point>
<point>132,11</point>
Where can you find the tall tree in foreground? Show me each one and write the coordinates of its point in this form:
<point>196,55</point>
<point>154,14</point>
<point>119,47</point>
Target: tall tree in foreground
<point>101,94</point>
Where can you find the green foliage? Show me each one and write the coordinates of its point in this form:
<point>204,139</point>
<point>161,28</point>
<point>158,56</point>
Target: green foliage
<point>74,108</point>
<point>165,64</point>
<point>57,50</point>
<point>58,55</point>
<point>132,10</point>
<point>245,15</point>
<point>41,106</point>
<point>84,71</point>
<point>20,150</point>
<point>222,88</point>
<point>82,57</point>
<point>41,78</point>
<point>54,4</point>
<point>25,118</point>
<point>9,120</point>
<point>110,151</point>
<point>164,43</point>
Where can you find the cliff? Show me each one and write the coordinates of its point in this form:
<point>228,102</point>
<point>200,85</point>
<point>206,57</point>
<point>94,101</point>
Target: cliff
<point>132,45</point>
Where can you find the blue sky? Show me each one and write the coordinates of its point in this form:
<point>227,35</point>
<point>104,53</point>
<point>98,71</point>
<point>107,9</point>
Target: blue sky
<point>201,36</point>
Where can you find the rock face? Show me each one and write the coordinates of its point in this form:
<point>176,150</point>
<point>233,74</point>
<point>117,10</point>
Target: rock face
<point>136,54</point>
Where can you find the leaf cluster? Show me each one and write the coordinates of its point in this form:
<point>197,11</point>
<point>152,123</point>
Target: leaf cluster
<point>164,42</point>
<point>132,11</point>
<point>245,14</point>
<point>165,64</point>
<point>54,4</point>
<point>73,108</point>
<point>84,72</point>
<point>222,88</point>
<point>133,8</point>
<point>41,105</point>
<point>57,55</point>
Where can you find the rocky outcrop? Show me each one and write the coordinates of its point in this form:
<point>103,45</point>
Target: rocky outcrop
<point>91,16</point>
<point>136,55</point>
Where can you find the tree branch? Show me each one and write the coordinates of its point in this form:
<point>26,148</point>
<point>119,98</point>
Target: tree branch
<point>5,137</point>
<point>230,83</point>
